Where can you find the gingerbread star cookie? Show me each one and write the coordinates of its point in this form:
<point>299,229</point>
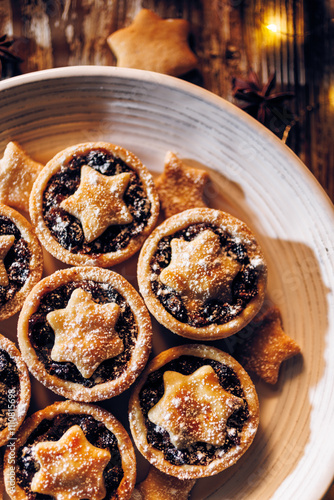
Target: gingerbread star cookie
<point>158,485</point>
<point>154,44</point>
<point>194,408</point>
<point>71,468</point>
<point>85,332</point>
<point>200,268</point>
<point>269,346</point>
<point>17,174</point>
<point>180,187</point>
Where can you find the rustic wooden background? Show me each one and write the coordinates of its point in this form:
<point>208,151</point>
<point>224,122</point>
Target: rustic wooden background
<point>228,36</point>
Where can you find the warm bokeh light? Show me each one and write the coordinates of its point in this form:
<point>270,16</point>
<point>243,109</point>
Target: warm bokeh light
<point>272,27</point>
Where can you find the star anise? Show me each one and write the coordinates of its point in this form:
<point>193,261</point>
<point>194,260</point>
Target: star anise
<point>261,102</point>
<point>7,56</point>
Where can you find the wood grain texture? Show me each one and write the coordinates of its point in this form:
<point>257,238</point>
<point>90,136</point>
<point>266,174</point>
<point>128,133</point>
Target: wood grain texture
<point>229,37</point>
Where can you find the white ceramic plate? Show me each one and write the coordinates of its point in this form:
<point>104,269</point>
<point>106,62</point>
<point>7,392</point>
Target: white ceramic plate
<point>257,179</point>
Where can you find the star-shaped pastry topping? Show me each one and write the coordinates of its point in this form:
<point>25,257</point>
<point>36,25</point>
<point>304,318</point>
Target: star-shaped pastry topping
<point>157,483</point>
<point>85,332</point>
<point>180,187</point>
<point>269,346</point>
<point>6,243</point>
<point>17,175</point>
<point>98,202</point>
<point>194,408</point>
<point>200,269</point>
<point>154,44</point>
<point>70,468</point>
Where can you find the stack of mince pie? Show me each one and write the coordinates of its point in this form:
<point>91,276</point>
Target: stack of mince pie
<point>85,332</point>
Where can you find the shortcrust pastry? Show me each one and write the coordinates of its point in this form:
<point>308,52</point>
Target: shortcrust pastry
<point>71,451</point>
<point>94,204</point>
<point>85,333</point>
<point>202,274</point>
<point>194,411</point>
<point>14,390</point>
<point>21,260</point>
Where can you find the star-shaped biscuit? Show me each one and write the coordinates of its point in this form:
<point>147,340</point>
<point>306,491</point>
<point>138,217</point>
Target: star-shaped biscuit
<point>159,485</point>
<point>85,332</point>
<point>17,175</point>
<point>154,44</point>
<point>194,408</point>
<point>6,243</point>
<point>269,346</point>
<point>180,187</point>
<point>70,468</point>
<point>200,269</point>
<point>98,202</point>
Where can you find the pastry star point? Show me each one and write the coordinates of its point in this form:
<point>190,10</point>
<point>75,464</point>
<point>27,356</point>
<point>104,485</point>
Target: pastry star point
<point>199,268</point>
<point>98,202</point>
<point>6,243</point>
<point>17,174</point>
<point>180,186</point>
<point>194,408</point>
<point>85,332</point>
<point>70,468</point>
<point>154,44</point>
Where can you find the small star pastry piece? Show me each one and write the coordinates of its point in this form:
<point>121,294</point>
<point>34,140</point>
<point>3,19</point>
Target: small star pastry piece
<point>194,411</point>
<point>94,204</point>
<point>98,203</point>
<point>200,268</point>
<point>70,451</point>
<point>154,44</point>
<point>159,486</point>
<point>6,243</point>
<point>268,347</point>
<point>70,468</point>
<point>85,332</point>
<point>93,330</point>
<point>180,187</point>
<point>194,408</point>
<point>17,174</point>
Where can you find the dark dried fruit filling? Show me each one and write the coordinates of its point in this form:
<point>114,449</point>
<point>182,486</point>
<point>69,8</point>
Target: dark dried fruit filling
<point>9,389</point>
<point>198,453</point>
<point>52,430</point>
<point>42,337</point>
<point>17,261</point>
<point>67,229</point>
<point>244,286</point>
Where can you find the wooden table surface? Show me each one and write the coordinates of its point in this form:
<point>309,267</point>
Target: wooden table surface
<point>293,38</point>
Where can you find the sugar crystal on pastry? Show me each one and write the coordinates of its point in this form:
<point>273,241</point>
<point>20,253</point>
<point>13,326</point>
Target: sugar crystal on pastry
<point>85,332</point>
<point>70,468</point>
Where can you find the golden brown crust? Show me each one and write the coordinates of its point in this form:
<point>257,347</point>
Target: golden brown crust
<point>140,353</point>
<point>155,456</point>
<point>181,221</point>
<point>35,264</point>
<point>18,413</point>
<point>70,407</point>
<point>43,232</point>
<point>157,485</point>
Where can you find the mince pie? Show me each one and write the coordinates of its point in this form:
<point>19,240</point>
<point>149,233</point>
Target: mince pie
<point>71,451</point>
<point>194,411</point>
<point>85,333</point>
<point>202,274</point>
<point>94,204</point>
<point>21,260</point>
<point>14,390</point>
